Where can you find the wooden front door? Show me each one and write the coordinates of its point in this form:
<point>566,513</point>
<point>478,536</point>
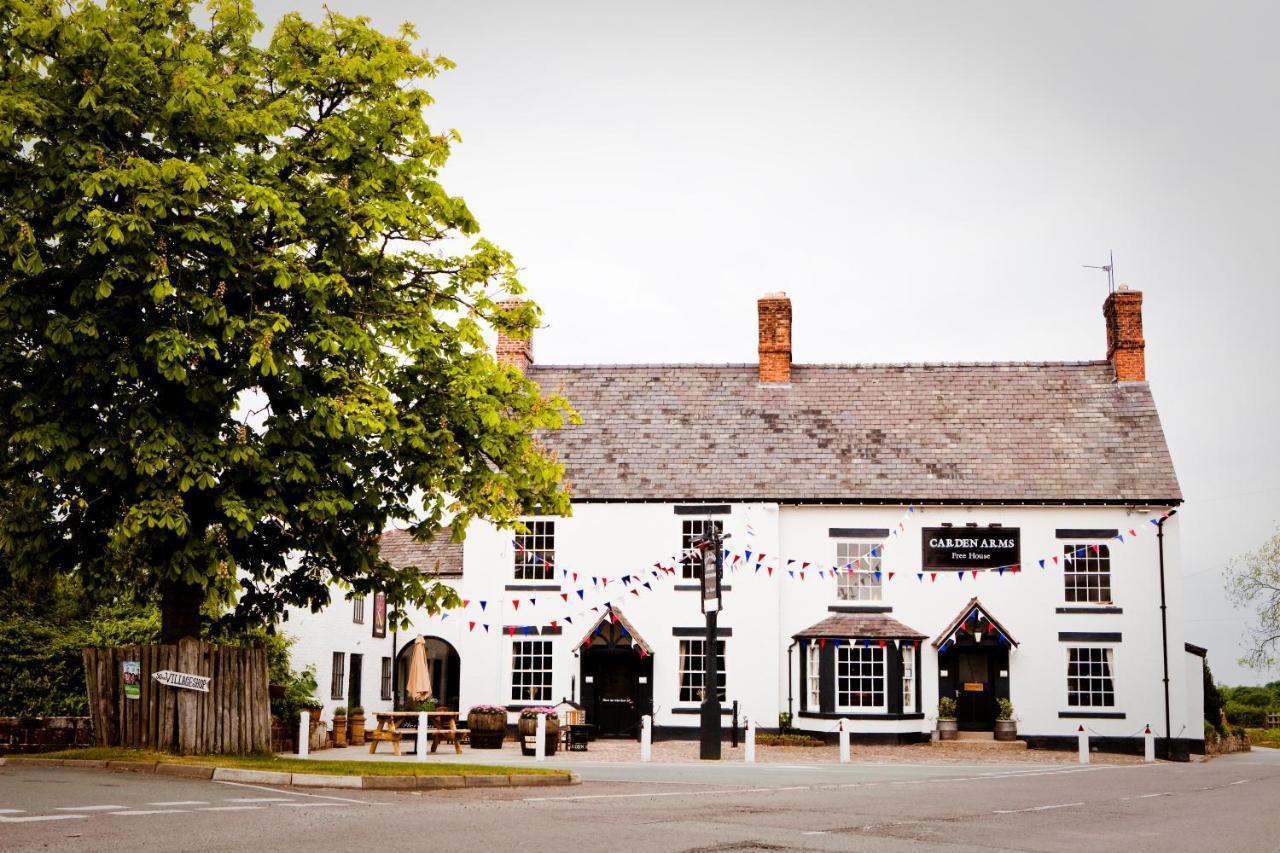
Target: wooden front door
<point>975,683</point>
<point>353,685</point>
<point>611,686</point>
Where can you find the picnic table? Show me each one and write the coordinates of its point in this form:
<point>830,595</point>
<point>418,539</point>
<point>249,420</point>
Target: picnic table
<point>442,727</point>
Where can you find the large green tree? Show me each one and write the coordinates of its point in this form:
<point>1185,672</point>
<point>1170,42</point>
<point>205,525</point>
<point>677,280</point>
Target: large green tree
<point>240,319</point>
<point>1253,580</point>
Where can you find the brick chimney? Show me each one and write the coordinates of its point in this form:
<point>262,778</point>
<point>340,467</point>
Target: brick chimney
<point>515,352</point>
<point>1123,310</point>
<point>775,339</point>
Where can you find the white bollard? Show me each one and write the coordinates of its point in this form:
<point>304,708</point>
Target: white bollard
<point>540,733</point>
<point>750,752</point>
<point>844,744</point>
<point>646,738</point>
<point>422,737</point>
<point>1149,747</point>
<point>1084,745</point>
<point>304,734</point>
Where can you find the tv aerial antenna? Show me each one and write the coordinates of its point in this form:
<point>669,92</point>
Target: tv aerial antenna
<point>1110,268</point>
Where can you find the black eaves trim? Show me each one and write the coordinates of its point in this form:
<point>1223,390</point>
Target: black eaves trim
<point>836,715</point>
<point>1089,610</point>
<point>1091,715</point>
<point>531,587</point>
<point>1089,637</point>
<point>714,509</point>
<point>700,632</point>
<point>858,532</point>
<point>724,712</point>
<point>694,587</point>
<point>1085,533</point>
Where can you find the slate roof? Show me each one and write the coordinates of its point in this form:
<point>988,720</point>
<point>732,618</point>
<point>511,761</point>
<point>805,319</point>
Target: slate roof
<point>909,432</point>
<point>400,549</point>
<point>860,626</point>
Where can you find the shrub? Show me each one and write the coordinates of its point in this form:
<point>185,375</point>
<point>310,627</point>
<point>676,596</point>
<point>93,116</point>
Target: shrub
<point>1004,709</point>
<point>1239,714</point>
<point>788,739</point>
<point>784,721</point>
<point>946,708</point>
<point>1210,733</point>
<point>340,711</point>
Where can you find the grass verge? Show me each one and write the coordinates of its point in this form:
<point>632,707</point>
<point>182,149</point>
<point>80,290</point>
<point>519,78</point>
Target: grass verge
<point>301,765</point>
<point>1264,737</point>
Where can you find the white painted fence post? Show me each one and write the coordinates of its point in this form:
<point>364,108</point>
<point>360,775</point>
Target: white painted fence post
<point>1149,747</point>
<point>646,738</point>
<point>422,737</point>
<point>844,744</point>
<point>304,734</point>
<point>1084,745</point>
<point>750,752</point>
<point>540,733</point>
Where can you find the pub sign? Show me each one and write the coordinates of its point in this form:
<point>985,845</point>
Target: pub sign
<point>965,548</point>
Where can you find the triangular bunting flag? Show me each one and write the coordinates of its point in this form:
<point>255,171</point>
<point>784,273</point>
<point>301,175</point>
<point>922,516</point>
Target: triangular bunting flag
<point>471,626</point>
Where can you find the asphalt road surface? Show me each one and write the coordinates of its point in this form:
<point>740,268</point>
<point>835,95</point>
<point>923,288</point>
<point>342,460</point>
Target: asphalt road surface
<point>1230,803</point>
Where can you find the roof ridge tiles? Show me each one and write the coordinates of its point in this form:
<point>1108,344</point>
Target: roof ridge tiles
<point>868,364</point>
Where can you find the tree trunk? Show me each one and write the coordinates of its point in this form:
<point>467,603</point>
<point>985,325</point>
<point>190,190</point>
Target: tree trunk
<point>180,611</point>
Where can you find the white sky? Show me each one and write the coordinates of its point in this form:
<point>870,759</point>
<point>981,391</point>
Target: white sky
<point>924,180</point>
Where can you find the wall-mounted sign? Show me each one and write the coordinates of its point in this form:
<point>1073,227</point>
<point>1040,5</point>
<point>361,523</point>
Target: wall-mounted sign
<point>710,582</point>
<point>964,548</point>
<point>974,687</point>
<point>183,680</point>
<point>379,614</point>
<point>132,678</point>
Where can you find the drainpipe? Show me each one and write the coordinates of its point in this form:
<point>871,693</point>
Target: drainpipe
<point>790,710</point>
<point>1164,636</point>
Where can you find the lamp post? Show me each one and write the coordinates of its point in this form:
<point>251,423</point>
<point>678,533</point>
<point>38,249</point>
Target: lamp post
<point>712,566</point>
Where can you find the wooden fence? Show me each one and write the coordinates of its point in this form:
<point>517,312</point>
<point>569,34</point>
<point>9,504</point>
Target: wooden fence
<point>233,717</point>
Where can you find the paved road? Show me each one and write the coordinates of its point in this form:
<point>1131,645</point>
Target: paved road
<point>1227,804</point>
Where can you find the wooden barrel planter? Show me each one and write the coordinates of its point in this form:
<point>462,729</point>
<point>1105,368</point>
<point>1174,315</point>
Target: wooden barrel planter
<point>528,728</point>
<point>488,728</point>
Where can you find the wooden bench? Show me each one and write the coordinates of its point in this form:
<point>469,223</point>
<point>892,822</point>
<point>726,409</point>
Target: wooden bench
<point>391,727</point>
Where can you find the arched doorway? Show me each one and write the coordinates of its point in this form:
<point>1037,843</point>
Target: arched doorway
<point>445,666</point>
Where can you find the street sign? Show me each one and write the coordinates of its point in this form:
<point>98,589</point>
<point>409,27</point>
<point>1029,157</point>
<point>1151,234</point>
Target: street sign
<point>182,680</point>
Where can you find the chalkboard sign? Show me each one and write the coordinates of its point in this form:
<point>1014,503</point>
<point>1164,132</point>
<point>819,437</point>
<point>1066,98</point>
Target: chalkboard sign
<point>964,548</point>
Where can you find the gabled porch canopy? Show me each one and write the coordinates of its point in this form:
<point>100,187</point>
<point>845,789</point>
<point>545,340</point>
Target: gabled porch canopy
<point>614,616</point>
<point>859,626</point>
<point>974,612</point>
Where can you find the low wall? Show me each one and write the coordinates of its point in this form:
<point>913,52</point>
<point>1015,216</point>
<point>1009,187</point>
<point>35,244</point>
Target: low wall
<point>1223,744</point>
<point>43,734</point>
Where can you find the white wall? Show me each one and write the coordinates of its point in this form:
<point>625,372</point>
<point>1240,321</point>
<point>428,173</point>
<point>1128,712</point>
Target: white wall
<point>609,540</point>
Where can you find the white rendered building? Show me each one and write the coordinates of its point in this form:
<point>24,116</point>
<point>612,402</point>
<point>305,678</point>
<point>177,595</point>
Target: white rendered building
<point>898,533</point>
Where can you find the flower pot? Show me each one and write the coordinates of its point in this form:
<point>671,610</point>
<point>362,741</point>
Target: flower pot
<point>1006,729</point>
<point>488,729</point>
<point>339,731</point>
<point>948,730</point>
<point>528,727</point>
<point>357,730</point>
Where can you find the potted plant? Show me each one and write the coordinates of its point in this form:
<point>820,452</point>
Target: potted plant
<point>784,722</point>
<point>948,728</point>
<point>1006,725</point>
<point>357,726</point>
<point>340,726</point>
<point>528,727</point>
<point>488,726</point>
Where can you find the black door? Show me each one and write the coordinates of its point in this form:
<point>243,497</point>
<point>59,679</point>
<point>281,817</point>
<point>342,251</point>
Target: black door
<point>975,682</point>
<point>353,683</point>
<point>611,690</point>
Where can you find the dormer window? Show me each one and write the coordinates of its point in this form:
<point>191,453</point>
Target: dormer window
<point>859,577</point>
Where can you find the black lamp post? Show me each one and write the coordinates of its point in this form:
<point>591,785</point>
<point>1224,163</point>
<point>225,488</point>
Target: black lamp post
<point>712,566</point>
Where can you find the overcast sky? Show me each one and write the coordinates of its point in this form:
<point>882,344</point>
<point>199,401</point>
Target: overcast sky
<point>924,180</point>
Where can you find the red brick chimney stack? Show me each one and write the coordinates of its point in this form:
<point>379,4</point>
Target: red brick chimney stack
<point>1125,346</point>
<point>775,339</point>
<point>515,352</point>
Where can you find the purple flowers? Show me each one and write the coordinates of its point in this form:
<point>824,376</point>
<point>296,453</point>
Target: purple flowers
<point>488,709</point>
